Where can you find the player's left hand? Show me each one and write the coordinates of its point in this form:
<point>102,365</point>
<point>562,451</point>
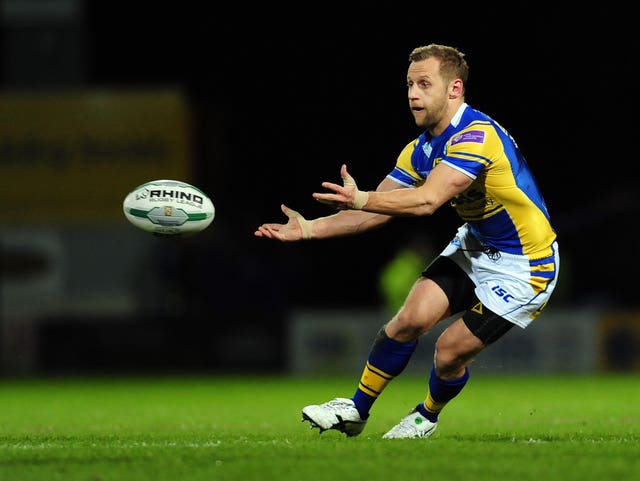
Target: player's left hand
<point>297,227</point>
<point>345,196</point>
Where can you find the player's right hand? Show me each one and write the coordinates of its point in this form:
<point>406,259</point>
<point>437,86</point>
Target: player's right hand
<point>296,228</point>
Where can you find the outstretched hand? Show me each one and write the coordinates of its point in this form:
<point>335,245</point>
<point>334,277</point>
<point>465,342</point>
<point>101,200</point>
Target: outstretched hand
<point>345,196</point>
<point>296,228</point>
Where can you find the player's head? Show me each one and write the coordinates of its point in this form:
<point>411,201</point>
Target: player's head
<point>436,85</point>
<point>452,62</point>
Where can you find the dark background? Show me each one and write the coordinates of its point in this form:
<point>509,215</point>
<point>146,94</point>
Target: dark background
<point>282,96</point>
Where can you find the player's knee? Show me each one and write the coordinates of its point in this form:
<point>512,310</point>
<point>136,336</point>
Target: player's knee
<point>449,360</point>
<point>404,328</point>
<point>447,366</point>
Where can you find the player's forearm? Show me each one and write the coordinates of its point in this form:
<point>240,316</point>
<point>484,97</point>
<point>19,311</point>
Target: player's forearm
<point>347,222</point>
<point>400,202</point>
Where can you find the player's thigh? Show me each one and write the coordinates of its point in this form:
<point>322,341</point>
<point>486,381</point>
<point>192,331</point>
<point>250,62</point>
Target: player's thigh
<point>425,306</point>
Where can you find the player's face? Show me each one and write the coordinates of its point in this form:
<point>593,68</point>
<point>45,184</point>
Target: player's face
<point>427,93</point>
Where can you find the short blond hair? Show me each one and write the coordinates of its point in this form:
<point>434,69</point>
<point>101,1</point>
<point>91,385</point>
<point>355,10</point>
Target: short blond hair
<point>452,62</point>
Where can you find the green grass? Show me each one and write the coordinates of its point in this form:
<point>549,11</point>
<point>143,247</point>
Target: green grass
<point>515,428</point>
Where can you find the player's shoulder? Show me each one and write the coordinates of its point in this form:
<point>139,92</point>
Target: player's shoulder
<point>475,127</point>
<point>478,132</point>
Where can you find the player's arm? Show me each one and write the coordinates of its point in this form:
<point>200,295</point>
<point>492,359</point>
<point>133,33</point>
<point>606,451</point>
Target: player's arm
<point>349,222</point>
<point>343,223</point>
<point>442,184</point>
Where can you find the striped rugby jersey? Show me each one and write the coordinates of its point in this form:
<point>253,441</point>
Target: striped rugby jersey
<point>503,206</point>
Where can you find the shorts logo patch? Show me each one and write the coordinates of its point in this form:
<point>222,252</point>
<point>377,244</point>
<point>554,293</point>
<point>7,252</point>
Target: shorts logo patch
<point>501,292</point>
<point>477,308</point>
<point>475,136</point>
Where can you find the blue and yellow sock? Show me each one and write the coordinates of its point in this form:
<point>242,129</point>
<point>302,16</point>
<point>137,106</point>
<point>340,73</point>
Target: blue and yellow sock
<point>441,391</point>
<point>387,359</point>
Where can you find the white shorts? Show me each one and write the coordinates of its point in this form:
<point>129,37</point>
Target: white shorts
<point>505,283</point>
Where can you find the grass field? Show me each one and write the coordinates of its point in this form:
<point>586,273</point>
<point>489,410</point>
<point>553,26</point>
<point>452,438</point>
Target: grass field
<point>249,428</point>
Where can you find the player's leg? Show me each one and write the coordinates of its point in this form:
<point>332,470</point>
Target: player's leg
<point>494,291</point>
<point>456,347</point>
<point>389,355</point>
<point>397,340</point>
<point>471,280</point>
<point>458,290</point>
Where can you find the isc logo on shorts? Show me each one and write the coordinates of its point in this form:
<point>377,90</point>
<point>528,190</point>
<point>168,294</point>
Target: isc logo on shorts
<point>502,293</point>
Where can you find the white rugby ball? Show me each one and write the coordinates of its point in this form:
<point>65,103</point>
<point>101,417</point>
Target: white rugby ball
<point>169,208</point>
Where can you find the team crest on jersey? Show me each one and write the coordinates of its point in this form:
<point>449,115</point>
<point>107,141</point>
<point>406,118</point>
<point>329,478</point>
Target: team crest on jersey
<point>475,136</point>
<point>427,149</point>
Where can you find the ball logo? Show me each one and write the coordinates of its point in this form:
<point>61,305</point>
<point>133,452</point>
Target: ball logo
<point>176,195</point>
<point>168,195</point>
<point>142,194</point>
<point>169,208</point>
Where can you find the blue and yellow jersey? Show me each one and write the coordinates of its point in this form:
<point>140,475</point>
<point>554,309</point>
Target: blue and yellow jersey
<point>503,206</point>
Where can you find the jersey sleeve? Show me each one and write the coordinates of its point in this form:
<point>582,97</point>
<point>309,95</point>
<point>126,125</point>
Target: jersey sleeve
<point>404,172</point>
<point>473,149</point>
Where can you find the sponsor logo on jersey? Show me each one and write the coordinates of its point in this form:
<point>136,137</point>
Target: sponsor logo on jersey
<point>475,136</point>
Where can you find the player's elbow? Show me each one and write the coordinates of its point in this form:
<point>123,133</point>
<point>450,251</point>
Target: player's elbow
<point>416,211</point>
<point>423,210</point>
<point>424,201</point>
<point>427,205</point>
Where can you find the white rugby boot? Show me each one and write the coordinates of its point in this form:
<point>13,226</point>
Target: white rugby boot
<point>413,425</point>
<point>339,414</point>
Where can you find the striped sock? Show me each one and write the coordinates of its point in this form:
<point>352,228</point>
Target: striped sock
<point>387,359</point>
<point>441,391</point>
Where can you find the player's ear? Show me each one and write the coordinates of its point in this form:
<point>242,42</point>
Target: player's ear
<point>456,89</point>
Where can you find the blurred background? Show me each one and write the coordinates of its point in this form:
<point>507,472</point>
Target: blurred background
<point>257,105</point>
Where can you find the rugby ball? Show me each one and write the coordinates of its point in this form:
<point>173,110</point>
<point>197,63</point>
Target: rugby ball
<point>168,208</point>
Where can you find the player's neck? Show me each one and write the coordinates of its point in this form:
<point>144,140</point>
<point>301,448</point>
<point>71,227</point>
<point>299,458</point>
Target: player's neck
<point>453,108</point>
